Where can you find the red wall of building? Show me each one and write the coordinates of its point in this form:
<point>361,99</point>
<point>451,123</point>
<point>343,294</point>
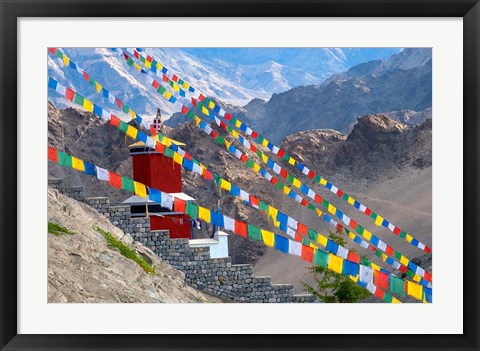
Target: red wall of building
<point>176,229</point>
<point>158,171</point>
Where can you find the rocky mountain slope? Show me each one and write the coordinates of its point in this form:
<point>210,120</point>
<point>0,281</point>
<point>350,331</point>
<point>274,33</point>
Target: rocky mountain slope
<point>382,162</point>
<point>403,82</point>
<point>83,268</point>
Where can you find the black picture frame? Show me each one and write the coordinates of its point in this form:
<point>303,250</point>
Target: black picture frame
<point>11,10</point>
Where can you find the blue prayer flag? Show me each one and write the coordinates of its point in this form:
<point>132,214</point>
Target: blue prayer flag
<point>155,195</point>
<point>105,93</point>
<point>142,136</point>
<point>304,189</point>
<point>97,110</point>
<point>52,83</point>
<point>331,246</point>
<point>374,240</point>
<point>89,168</point>
<point>350,268</point>
<point>235,190</point>
<point>281,243</point>
<point>187,164</point>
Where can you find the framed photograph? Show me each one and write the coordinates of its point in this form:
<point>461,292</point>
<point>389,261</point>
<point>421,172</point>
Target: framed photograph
<point>233,172</point>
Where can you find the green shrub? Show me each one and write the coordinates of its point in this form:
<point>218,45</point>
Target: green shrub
<point>125,250</point>
<point>58,230</point>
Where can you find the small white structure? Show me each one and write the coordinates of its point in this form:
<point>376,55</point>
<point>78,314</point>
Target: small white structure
<point>218,245</point>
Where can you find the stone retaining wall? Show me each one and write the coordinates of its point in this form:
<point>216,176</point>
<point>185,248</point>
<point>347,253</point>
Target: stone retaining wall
<point>216,276</point>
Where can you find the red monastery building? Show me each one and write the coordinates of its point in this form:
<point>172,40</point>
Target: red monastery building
<point>162,173</point>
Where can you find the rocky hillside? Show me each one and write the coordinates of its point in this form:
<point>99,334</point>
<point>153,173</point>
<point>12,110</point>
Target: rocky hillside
<point>383,162</point>
<point>82,267</point>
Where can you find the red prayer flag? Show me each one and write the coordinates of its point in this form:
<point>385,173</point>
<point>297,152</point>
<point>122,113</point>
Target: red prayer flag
<point>254,201</point>
<point>179,205</point>
<point>283,172</point>
<point>52,154</point>
<point>302,228</point>
<point>115,121</point>
<point>188,156</point>
<point>69,94</point>
<point>304,202</point>
<point>307,253</point>
<point>379,293</point>
<point>253,148</point>
<point>228,116</point>
<point>153,130</point>
<point>389,250</point>
<point>352,256</point>
<point>381,279</point>
<point>201,97</point>
<point>165,78</point>
<point>149,58</point>
<point>194,102</point>
<point>135,52</point>
<point>207,174</point>
<point>125,55</point>
<point>86,76</point>
<point>402,269</point>
<point>274,181</point>
<point>353,224</point>
<point>214,134</point>
<point>318,198</point>
<point>255,136</point>
<point>241,228</point>
<point>427,249</point>
<point>311,174</point>
<point>223,125</point>
<point>160,148</point>
<point>155,84</point>
<point>427,276</point>
<point>243,158</point>
<point>339,193</point>
<point>298,237</point>
<point>184,110</point>
<point>368,211</point>
<point>396,230</point>
<point>119,103</point>
<point>53,50</point>
<point>175,78</point>
<point>114,180</point>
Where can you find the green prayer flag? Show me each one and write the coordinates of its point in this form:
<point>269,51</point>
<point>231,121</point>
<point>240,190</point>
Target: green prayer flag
<point>410,273</point>
<point>129,62</point>
<point>92,82</point>
<point>123,126</point>
<point>311,207</point>
<point>168,152</point>
<point>321,258</point>
<point>142,59</point>
<point>127,184</point>
<point>387,298</point>
<point>313,235</point>
<point>373,215</point>
<point>263,206</point>
<point>78,99</point>
<point>260,139</point>
<point>345,197</point>
<point>365,261</point>
<point>59,54</point>
<point>161,89</point>
<point>360,229</point>
<point>402,234</point>
<point>64,159</point>
<point>259,153</point>
<point>254,233</point>
<point>190,114</point>
<point>191,209</point>
<point>397,285</point>
<point>317,178</point>
<point>325,203</point>
<point>378,253</point>
<point>290,178</point>
<point>249,163</point>
<point>280,185</point>
<point>305,241</point>
<point>220,140</point>
<point>125,108</point>
<point>286,157</point>
<point>180,81</point>
<point>397,255</point>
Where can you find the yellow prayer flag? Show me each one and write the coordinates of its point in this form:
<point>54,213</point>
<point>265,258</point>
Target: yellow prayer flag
<point>323,181</point>
<point>132,113</point>
<point>332,209</point>
<point>238,123</point>
<point>87,105</point>
<point>272,212</point>
<point>204,213</point>
<point>227,144</point>
<point>351,200</point>
<point>235,134</point>
<point>291,160</point>
<point>225,185</point>
<point>159,66</point>
<point>177,158</point>
<point>379,220</point>
<point>335,263</point>
<point>168,94</point>
<point>367,235</point>
<point>197,120</point>
<point>66,60</point>
<point>296,183</point>
<point>415,290</point>
<point>256,167</point>
<point>265,142</point>
<point>132,132</point>
<point>205,111</point>
<point>409,238</point>
<point>351,236</point>
<point>355,279</point>
<point>264,158</point>
<point>137,67</point>
<point>148,64</point>
<point>286,190</point>
<point>186,85</point>
<point>417,278</point>
<point>374,266</point>
<point>78,164</point>
<point>176,87</point>
<point>384,257</point>
<point>404,260</point>
<point>313,246</point>
<point>322,240</point>
<point>319,213</point>
<point>98,87</point>
<point>167,141</point>
<point>394,300</point>
<point>211,105</point>
<point>268,238</point>
<point>140,189</point>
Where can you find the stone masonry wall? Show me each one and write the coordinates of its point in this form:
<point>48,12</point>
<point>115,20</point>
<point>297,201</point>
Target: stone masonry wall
<point>215,276</point>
